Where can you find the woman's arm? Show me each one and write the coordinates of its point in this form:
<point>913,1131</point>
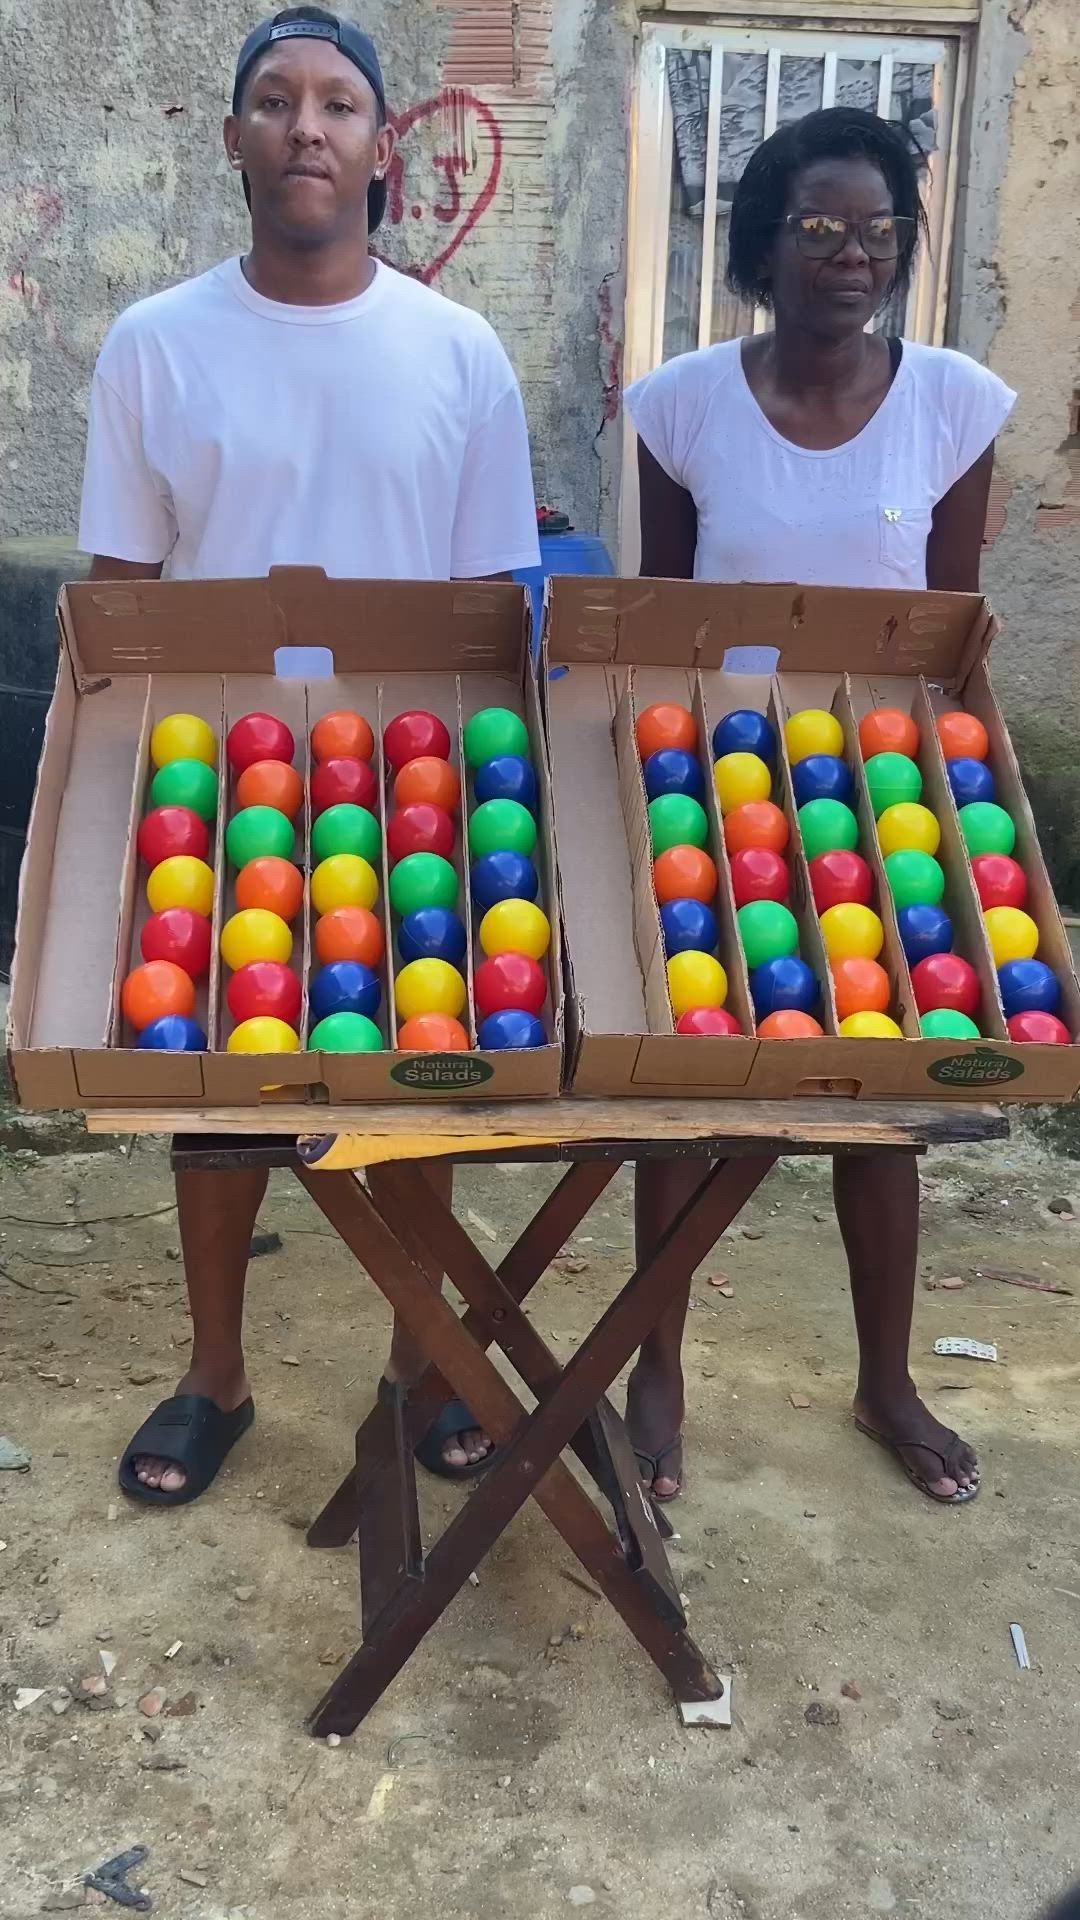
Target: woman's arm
<point>668,522</point>
<point>954,548</point>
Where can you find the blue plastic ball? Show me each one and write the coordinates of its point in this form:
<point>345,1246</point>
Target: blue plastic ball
<point>432,933</point>
<point>673,770</point>
<point>924,930</point>
<point>822,776</point>
<point>173,1033</point>
<point>344,986</point>
<point>503,876</point>
<point>1028,986</point>
<point>744,731</point>
<point>970,780</point>
<point>785,981</point>
<point>689,927</point>
<point>509,776</point>
<point>510,1028</point>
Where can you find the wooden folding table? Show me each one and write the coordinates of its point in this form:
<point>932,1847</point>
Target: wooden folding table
<point>404,1236</point>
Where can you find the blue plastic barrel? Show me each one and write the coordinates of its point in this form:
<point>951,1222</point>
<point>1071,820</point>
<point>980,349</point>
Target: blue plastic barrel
<point>568,552</point>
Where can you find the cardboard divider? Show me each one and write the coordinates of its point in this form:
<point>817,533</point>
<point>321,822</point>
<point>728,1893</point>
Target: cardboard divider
<point>732,957</point>
<point>473,954</point>
<point>801,902</point>
<point>435,693</point>
<point>387,1005</point>
<point>352,693</point>
<point>648,935</point>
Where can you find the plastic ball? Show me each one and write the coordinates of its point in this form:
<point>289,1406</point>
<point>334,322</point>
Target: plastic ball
<point>264,990</point>
<point>263,1034</point>
<point>786,981</point>
<point>430,782</point>
<point>744,731</point>
<point>432,1033</point>
<point>422,880</point>
<point>702,1020</point>
<point>665,724</point>
<point>962,736</point>
<point>840,876</point>
<point>415,735</point>
<point>183,736</point>
<point>431,933</point>
<point>345,986</point>
<point>761,823</point>
<point>945,1024</point>
<point>788,1023</point>
<point>258,736</point>
<point>689,926</point>
<point>180,935</point>
<point>344,782</point>
<point>695,980</point>
<point>676,820</point>
<point>888,730</point>
<point>155,989</point>
<point>271,783</point>
<point>349,933</point>
<point>892,780</point>
<point>945,980</point>
<point>509,776</point>
<point>171,830</point>
<point>420,828</point>
<point>350,829</point>
<point>813,731</point>
<point>870,1026</point>
<point>501,826</point>
<point>758,874</point>
<point>271,883</point>
<point>915,879</point>
<point>492,731</point>
<point>509,980</point>
<point>766,930</point>
<point>924,930</point>
<point>852,932</point>
<point>908,828</point>
<point>345,880</point>
<point>173,1033</point>
<point>346,1033</point>
<point>986,828</point>
<point>186,783</point>
<point>1029,986</point>
<point>685,873</point>
<point>673,770</point>
<point>1013,935</point>
<point>1038,1029</point>
<point>515,926</point>
<point>999,881</point>
<point>511,1030</point>
<point>970,780</point>
<point>256,831</point>
<point>822,776</point>
<point>253,934</point>
<point>826,825</point>
<point>739,779</point>
<point>503,876</point>
<point>344,735</point>
<point>860,986</point>
<point>181,882</point>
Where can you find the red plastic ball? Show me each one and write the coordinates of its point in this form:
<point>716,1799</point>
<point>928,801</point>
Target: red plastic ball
<point>999,881</point>
<point>264,989</point>
<point>509,981</point>
<point>158,988</point>
<point>415,735</point>
<point>944,980</point>
<point>335,782</point>
<point>838,878</point>
<point>757,873</point>
<point>1039,1029</point>
<point>172,830</point>
<point>180,935</point>
<point>712,1019</point>
<point>258,736</point>
<point>420,828</point>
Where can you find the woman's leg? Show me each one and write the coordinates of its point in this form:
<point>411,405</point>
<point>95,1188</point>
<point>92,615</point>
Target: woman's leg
<point>654,1395</point>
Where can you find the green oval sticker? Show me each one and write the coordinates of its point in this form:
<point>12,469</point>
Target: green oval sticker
<point>979,1068</point>
<point>441,1072</point>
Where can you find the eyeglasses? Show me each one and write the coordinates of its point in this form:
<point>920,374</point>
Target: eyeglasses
<point>820,236</point>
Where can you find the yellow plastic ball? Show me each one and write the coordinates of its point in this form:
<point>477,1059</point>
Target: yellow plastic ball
<point>263,1035</point>
<point>695,980</point>
<point>181,881</point>
<point>908,825</point>
<point>254,934</point>
<point>1013,935</point>
<point>739,778</point>
<point>515,926</point>
<point>182,736</point>
<point>871,1026</point>
<point>813,731</point>
<point>429,986</point>
<point>852,932</point>
<point>344,880</point>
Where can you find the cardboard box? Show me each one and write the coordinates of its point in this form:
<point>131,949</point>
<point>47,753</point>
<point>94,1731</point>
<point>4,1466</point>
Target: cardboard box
<point>613,646</point>
<point>131,653</point>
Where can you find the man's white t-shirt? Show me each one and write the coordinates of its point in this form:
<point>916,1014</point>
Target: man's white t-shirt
<point>857,515</point>
<point>383,438</point>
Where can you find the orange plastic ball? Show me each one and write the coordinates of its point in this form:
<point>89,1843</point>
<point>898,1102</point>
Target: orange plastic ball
<point>665,725</point>
<point>349,933</point>
<point>342,736</point>
<point>860,986</point>
<point>888,730</point>
<point>962,736</point>
<point>433,1033</point>
<point>790,1024</point>
<point>684,873</point>
<point>158,988</point>
<point>430,782</point>
<point>758,823</point>
<point>270,783</point>
<point>271,883</point>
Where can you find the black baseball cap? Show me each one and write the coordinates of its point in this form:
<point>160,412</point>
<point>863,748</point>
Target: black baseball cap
<point>311,23</point>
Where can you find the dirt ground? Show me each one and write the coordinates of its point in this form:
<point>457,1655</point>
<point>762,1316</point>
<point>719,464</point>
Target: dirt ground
<point>529,1760</point>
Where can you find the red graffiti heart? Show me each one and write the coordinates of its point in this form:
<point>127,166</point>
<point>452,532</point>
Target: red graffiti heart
<point>451,166</point>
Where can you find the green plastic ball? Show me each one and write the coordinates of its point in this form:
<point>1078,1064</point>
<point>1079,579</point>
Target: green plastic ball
<point>826,825</point>
<point>346,829</point>
<point>677,820</point>
<point>186,783</point>
<point>767,930</point>
<point>346,1033</point>
<point>945,1024</point>
<point>501,826</point>
<point>891,778</point>
<point>492,731</point>
<point>422,880</point>
<point>256,831</point>
<point>987,828</point>
<point>916,879</point>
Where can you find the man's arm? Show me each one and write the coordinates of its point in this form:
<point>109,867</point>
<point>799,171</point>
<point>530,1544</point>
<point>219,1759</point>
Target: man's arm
<point>103,568</point>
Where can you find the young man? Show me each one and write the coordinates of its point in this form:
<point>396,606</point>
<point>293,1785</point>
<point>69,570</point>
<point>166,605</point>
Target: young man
<point>308,406</point>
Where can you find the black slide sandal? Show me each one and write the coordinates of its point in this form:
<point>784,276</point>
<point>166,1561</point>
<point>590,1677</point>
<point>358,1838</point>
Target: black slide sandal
<point>191,1432</point>
<point>454,1418</point>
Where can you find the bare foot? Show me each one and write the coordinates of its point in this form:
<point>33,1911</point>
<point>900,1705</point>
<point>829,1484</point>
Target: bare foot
<point>654,1416</point>
<point>228,1391</point>
<point>927,1447</point>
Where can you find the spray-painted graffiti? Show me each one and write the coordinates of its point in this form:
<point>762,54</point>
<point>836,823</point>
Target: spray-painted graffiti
<point>447,204</point>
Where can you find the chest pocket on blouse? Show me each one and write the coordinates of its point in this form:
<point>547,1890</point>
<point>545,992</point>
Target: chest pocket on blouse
<point>902,536</point>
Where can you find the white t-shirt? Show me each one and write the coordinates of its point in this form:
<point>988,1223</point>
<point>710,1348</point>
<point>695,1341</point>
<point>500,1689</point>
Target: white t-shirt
<point>383,438</point>
<point>856,515</point>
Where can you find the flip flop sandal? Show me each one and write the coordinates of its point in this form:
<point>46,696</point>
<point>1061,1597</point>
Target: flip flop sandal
<point>192,1433</point>
<point>651,1467</point>
<point>950,1470</point>
<point>455,1418</point>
